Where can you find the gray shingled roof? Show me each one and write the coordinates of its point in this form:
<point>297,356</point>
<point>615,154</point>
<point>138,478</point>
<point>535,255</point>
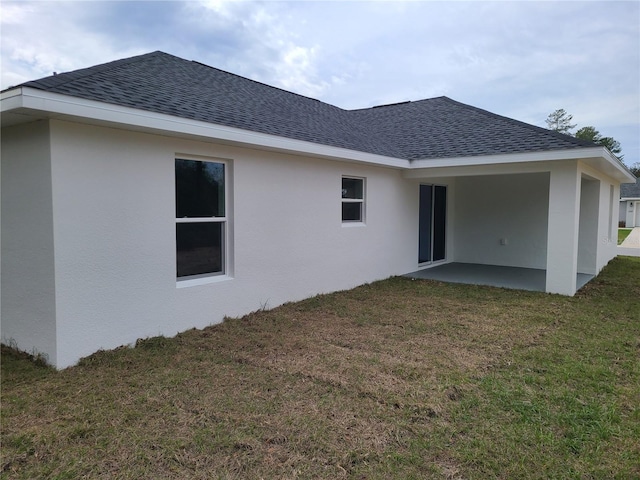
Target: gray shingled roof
<point>630,190</point>
<point>433,128</point>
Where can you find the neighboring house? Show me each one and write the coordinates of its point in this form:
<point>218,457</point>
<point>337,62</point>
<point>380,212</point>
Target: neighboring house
<point>152,194</point>
<point>630,204</point>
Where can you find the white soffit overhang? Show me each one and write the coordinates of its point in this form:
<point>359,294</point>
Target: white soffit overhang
<point>598,158</point>
<point>26,104</point>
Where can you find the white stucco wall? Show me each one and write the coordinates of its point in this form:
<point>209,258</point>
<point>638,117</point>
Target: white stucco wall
<point>105,203</point>
<point>604,212</point>
<point>28,316</point>
<point>588,226</point>
<point>563,228</point>
<point>114,216</point>
<point>608,223</point>
<point>494,207</point>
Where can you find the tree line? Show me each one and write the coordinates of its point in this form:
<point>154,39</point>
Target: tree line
<point>560,121</point>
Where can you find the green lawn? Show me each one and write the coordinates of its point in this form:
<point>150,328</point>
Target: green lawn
<point>623,233</point>
<point>398,379</point>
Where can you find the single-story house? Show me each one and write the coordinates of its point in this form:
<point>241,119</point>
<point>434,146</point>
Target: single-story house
<point>153,194</point>
<point>630,204</point>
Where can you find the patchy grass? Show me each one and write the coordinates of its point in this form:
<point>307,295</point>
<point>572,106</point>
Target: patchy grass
<point>397,379</point>
<point>623,233</point>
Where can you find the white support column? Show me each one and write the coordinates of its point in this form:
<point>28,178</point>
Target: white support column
<point>563,228</point>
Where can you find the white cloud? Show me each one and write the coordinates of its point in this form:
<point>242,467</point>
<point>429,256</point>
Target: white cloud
<point>15,14</point>
<point>297,71</point>
<point>45,37</point>
<point>218,6</point>
<point>259,40</point>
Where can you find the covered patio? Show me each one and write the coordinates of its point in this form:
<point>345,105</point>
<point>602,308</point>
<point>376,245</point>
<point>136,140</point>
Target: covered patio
<point>518,278</point>
<point>535,225</point>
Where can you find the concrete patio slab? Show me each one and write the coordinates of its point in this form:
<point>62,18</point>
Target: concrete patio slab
<point>492,275</point>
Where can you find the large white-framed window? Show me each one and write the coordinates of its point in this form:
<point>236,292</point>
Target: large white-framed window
<point>201,218</point>
<point>353,201</point>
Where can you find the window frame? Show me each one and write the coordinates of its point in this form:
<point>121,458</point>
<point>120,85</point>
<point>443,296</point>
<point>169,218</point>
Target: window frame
<point>224,220</point>
<point>361,201</point>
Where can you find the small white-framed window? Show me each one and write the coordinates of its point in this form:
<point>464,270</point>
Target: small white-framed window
<point>201,221</point>
<point>353,189</point>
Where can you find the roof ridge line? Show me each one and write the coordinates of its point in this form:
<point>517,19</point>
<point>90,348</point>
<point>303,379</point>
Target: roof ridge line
<point>394,104</point>
<point>265,84</point>
<point>74,75</point>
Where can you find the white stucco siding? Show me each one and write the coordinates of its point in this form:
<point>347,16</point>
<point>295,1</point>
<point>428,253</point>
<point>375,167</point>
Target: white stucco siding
<point>491,208</point>
<point>290,240</point>
<point>109,190</point>
<point>95,264</point>
<point>607,221</point>
<point>28,289</point>
<point>114,216</point>
<point>563,229</point>
<point>602,216</point>
<point>588,225</point>
<point>582,224</point>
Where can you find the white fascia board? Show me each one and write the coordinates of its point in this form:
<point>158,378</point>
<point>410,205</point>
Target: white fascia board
<point>544,156</point>
<point>14,92</point>
<point>599,156</point>
<point>54,105</point>
<point>478,170</point>
<point>10,100</point>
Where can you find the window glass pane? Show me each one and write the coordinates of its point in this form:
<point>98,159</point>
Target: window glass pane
<point>351,211</point>
<point>199,248</point>
<point>352,188</point>
<point>199,189</point>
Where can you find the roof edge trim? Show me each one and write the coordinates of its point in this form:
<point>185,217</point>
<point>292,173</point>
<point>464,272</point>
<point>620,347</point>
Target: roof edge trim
<point>582,153</point>
<point>11,92</point>
<point>541,156</point>
<point>54,105</point>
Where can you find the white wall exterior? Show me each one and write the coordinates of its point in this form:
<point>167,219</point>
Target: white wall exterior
<point>114,235</point>
<point>582,223</point>
<point>563,229</point>
<point>88,231</point>
<point>588,226</point>
<point>604,213</point>
<point>27,284</point>
<point>494,207</point>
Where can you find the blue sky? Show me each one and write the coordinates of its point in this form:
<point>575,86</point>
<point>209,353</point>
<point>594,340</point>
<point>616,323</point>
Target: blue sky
<point>522,59</point>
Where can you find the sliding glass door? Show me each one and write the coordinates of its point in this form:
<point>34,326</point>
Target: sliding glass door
<point>432,223</point>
